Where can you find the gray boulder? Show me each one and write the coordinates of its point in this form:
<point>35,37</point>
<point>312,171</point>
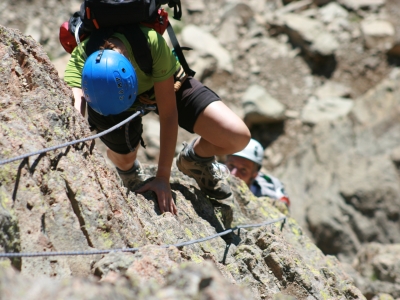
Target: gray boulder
<point>206,44</point>
<point>378,34</point>
<point>310,34</point>
<point>329,108</point>
<point>260,107</point>
<point>359,4</point>
<point>332,89</point>
<point>378,270</point>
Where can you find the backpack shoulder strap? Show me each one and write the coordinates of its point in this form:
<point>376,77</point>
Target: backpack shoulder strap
<point>140,47</point>
<point>178,51</point>
<point>97,38</point>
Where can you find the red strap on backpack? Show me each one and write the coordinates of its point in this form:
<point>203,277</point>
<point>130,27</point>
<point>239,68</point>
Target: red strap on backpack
<point>161,22</point>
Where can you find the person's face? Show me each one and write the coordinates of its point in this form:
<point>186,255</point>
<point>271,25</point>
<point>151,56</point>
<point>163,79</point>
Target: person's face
<point>242,168</point>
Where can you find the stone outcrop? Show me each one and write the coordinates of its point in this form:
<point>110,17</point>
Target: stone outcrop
<point>260,107</point>
<point>206,44</point>
<point>329,108</point>
<point>262,48</point>
<point>70,200</point>
<point>378,34</point>
<point>378,269</point>
<point>345,178</point>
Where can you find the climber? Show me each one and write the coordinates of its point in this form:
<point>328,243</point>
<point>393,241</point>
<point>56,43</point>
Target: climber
<point>194,107</point>
<point>246,165</point>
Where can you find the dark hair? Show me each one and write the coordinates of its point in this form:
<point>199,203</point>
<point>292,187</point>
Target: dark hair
<point>107,45</point>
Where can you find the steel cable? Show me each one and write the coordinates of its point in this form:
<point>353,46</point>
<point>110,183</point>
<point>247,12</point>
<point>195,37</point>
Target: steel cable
<point>139,112</point>
<point>96,252</point>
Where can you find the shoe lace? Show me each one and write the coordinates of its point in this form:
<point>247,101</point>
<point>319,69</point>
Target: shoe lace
<point>219,171</point>
<point>140,173</point>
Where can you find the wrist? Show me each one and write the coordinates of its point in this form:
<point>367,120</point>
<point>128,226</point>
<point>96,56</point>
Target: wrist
<point>163,179</point>
<point>162,175</point>
<point>163,172</point>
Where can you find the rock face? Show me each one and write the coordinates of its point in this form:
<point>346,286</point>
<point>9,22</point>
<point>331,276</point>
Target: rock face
<point>346,179</point>
<point>260,107</point>
<point>378,34</point>
<point>342,176</point>
<point>39,19</point>
<point>206,44</point>
<point>70,200</point>
<point>329,108</point>
<point>380,263</point>
<point>353,162</point>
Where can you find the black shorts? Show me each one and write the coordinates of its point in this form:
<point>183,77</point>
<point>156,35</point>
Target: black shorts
<point>191,99</point>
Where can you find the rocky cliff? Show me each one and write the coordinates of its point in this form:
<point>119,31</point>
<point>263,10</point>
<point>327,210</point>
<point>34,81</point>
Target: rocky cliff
<point>70,200</point>
<point>315,80</point>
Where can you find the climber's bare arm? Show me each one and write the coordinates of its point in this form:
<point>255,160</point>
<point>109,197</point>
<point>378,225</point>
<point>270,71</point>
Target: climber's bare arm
<point>80,102</point>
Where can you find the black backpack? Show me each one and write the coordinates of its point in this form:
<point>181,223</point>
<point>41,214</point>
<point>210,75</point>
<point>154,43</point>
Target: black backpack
<point>96,14</point>
<point>102,18</point>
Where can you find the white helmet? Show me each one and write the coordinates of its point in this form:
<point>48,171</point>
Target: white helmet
<point>253,151</point>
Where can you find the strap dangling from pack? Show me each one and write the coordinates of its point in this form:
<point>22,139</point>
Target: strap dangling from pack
<point>77,39</point>
<point>176,4</point>
<point>178,51</point>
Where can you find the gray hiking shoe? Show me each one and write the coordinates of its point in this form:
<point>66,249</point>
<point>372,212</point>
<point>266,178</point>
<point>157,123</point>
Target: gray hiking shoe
<point>209,175</point>
<point>132,177</point>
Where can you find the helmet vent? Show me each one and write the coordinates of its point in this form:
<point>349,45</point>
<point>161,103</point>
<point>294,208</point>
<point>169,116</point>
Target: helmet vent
<point>123,70</point>
<point>98,57</point>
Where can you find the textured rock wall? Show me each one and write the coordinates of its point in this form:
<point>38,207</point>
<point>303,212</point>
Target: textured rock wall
<point>345,179</point>
<point>350,166</point>
<point>69,199</point>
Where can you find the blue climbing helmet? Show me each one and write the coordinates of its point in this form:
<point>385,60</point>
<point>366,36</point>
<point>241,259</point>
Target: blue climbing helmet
<point>109,82</point>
